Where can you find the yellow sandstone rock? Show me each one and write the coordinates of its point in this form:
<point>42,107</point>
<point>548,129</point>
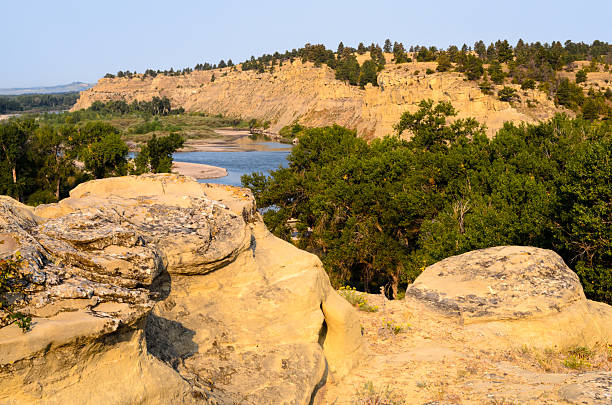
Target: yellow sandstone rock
<point>313,97</point>
<point>157,289</point>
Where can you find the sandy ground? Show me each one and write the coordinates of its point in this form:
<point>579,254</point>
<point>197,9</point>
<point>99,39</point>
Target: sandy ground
<point>228,140</point>
<point>198,170</point>
<point>7,116</point>
<point>434,360</point>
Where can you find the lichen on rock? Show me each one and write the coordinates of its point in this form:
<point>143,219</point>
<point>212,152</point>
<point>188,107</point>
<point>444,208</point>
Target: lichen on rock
<point>515,292</point>
<point>174,286</point>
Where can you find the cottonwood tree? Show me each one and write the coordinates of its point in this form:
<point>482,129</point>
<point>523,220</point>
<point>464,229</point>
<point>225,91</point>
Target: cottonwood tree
<point>58,149</point>
<point>15,138</point>
<point>156,155</point>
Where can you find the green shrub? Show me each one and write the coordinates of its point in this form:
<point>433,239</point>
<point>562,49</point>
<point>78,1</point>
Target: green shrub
<point>370,395</point>
<point>357,299</point>
<point>576,363</point>
<point>485,86</point>
<point>146,127</point>
<point>528,84</point>
<point>12,282</point>
<point>508,94</point>
<point>291,131</point>
<point>378,212</point>
<point>569,95</point>
<point>41,197</point>
<point>395,328</point>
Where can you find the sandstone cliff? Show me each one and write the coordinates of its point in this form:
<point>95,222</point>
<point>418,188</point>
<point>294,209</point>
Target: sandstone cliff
<point>158,290</point>
<point>313,97</point>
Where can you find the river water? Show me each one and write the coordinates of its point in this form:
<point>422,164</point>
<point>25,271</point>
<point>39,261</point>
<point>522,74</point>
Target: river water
<point>262,157</point>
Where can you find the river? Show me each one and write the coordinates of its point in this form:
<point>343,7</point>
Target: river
<point>258,157</point>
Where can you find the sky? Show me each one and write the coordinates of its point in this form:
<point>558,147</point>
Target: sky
<point>47,43</point>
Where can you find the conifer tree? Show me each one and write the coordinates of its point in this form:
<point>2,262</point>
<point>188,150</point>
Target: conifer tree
<point>387,47</point>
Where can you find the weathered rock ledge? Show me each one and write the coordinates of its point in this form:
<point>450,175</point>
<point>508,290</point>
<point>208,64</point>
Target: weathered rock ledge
<point>157,289</point>
<point>503,325</point>
<point>513,293</point>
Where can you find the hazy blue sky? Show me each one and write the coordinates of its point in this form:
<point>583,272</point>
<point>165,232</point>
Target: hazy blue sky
<point>54,42</point>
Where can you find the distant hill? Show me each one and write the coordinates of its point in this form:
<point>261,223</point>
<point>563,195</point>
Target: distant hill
<point>62,88</point>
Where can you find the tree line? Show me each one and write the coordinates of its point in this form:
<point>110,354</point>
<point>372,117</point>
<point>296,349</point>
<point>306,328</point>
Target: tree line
<point>378,213</point>
<point>157,106</point>
<point>37,102</point>
<point>526,63</point>
<point>40,162</point>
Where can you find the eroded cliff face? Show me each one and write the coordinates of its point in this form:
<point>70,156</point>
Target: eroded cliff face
<point>312,96</point>
<point>157,289</point>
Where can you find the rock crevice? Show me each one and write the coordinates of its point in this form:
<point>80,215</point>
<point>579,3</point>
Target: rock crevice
<point>174,286</point>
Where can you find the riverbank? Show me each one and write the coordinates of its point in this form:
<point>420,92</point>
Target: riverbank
<point>230,140</point>
<point>7,116</point>
<point>198,171</point>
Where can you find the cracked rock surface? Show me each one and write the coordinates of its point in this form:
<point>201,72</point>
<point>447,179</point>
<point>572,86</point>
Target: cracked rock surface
<point>157,289</point>
<point>506,282</point>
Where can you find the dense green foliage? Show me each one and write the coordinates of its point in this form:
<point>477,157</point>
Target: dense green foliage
<point>378,213</point>
<point>508,94</point>
<point>13,282</point>
<point>348,68</point>
<point>39,157</point>
<point>156,155</point>
<point>157,106</point>
<point>37,161</point>
<point>37,102</point>
<point>581,76</point>
<point>106,153</point>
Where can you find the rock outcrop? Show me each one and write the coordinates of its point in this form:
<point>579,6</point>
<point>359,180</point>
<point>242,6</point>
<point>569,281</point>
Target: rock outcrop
<point>312,96</point>
<point>157,289</point>
<point>503,325</point>
<point>514,293</point>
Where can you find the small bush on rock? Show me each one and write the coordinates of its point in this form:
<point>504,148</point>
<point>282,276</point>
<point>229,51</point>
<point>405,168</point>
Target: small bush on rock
<point>370,395</point>
<point>357,299</point>
<point>12,283</point>
<point>578,358</point>
<point>395,328</point>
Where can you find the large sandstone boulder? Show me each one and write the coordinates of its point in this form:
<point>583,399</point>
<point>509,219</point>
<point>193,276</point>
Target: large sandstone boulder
<point>157,289</point>
<point>515,295</point>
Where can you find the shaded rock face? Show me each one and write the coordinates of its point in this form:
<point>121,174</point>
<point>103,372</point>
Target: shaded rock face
<point>174,286</point>
<point>514,292</point>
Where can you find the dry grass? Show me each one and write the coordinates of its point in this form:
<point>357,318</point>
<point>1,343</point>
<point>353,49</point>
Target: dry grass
<point>554,360</point>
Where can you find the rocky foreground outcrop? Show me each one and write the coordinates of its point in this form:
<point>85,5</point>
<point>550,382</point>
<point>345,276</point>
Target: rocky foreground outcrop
<point>503,325</point>
<point>514,293</point>
<point>159,290</point>
<point>312,96</point>
<point>156,290</point>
